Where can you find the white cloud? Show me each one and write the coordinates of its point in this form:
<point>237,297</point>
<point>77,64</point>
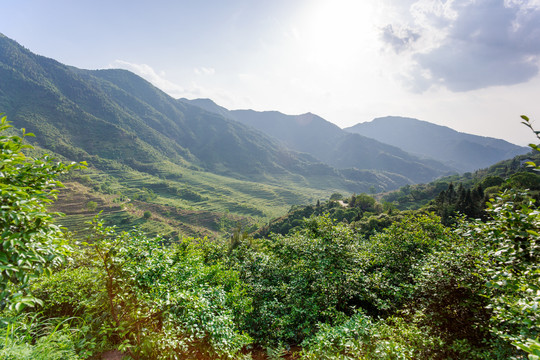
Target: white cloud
<point>204,71</point>
<point>192,90</point>
<point>148,73</point>
<point>399,39</point>
<point>468,44</point>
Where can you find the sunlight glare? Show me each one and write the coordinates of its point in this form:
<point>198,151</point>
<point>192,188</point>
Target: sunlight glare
<point>337,32</point>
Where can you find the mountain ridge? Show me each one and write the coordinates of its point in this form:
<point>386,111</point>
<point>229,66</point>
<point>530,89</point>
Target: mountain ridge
<point>311,134</point>
<point>467,152</point>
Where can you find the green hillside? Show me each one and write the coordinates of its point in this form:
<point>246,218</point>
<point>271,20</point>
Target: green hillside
<point>504,174</point>
<point>355,280</point>
<point>141,143</point>
<point>446,196</point>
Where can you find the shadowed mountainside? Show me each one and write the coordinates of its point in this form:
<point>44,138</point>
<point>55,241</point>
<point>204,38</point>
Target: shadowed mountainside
<point>463,151</point>
<point>311,134</point>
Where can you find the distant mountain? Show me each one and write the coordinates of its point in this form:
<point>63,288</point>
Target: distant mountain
<point>311,134</point>
<point>463,151</point>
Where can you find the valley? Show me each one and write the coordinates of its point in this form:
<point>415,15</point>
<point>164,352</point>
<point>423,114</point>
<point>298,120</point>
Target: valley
<point>149,227</point>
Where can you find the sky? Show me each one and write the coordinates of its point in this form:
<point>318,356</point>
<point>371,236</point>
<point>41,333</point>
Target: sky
<point>472,65</point>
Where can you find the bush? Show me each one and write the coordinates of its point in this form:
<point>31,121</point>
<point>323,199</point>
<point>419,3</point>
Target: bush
<point>360,337</point>
<point>299,280</point>
<point>512,241</point>
<point>31,242</point>
<point>152,301</point>
<point>91,206</point>
<point>31,337</point>
<point>394,258</point>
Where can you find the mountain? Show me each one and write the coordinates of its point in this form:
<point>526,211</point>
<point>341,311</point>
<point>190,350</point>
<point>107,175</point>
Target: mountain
<point>144,146</point>
<point>311,134</point>
<point>115,114</point>
<point>463,151</point>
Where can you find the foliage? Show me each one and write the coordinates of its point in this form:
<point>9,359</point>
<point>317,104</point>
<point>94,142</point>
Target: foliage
<point>349,340</point>
<point>28,336</point>
<point>91,206</point>
<point>513,265</point>
<point>362,210</point>
<point>527,122</point>
<point>493,178</point>
<point>299,280</point>
<point>532,347</point>
<point>395,256</point>
<point>31,243</point>
<point>152,300</point>
<point>322,272</point>
<point>451,202</point>
<point>449,302</point>
<point>360,337</point>
<point>350,280</point>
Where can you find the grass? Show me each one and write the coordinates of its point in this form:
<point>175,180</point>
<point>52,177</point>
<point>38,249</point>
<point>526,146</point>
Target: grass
<point>27,336</point>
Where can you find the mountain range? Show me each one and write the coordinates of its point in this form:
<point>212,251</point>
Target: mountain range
<point>417,149</point>
<point>116,115</point>
<point>313,135</point>
<point>140,143</point>
<point>193,154</point>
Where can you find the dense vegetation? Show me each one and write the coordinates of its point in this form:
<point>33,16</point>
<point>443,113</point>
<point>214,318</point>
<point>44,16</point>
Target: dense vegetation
<point>502,175</point>
<point>447,197</point>
<point>412,289</point>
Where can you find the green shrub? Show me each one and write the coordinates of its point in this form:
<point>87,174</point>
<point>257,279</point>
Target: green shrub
<point>394,257</point>
<point>154,300</point>
<point>512,241</point>
<point>91,206</point>
<point>360,337</point>
<point>31,242</point>
<point>299,280</point>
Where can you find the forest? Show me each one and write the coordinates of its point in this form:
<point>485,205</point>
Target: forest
<point>351,278</point>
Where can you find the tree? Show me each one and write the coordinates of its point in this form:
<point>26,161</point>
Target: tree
<point>30,242</point>
<point>336,197</point>
<point>365,202</point>
<point>512,244</point>
<point>512,237</point>
<point>91,206</point>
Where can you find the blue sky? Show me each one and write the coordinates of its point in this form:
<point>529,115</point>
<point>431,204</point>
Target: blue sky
<point>468,64</point>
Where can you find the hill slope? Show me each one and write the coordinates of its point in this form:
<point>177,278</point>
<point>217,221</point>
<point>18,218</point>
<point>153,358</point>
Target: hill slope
<point>115,114</point>
<point>465,152</point>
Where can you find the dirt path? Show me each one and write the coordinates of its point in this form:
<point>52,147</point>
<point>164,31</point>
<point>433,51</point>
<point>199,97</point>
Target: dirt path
<point>112,355</point>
